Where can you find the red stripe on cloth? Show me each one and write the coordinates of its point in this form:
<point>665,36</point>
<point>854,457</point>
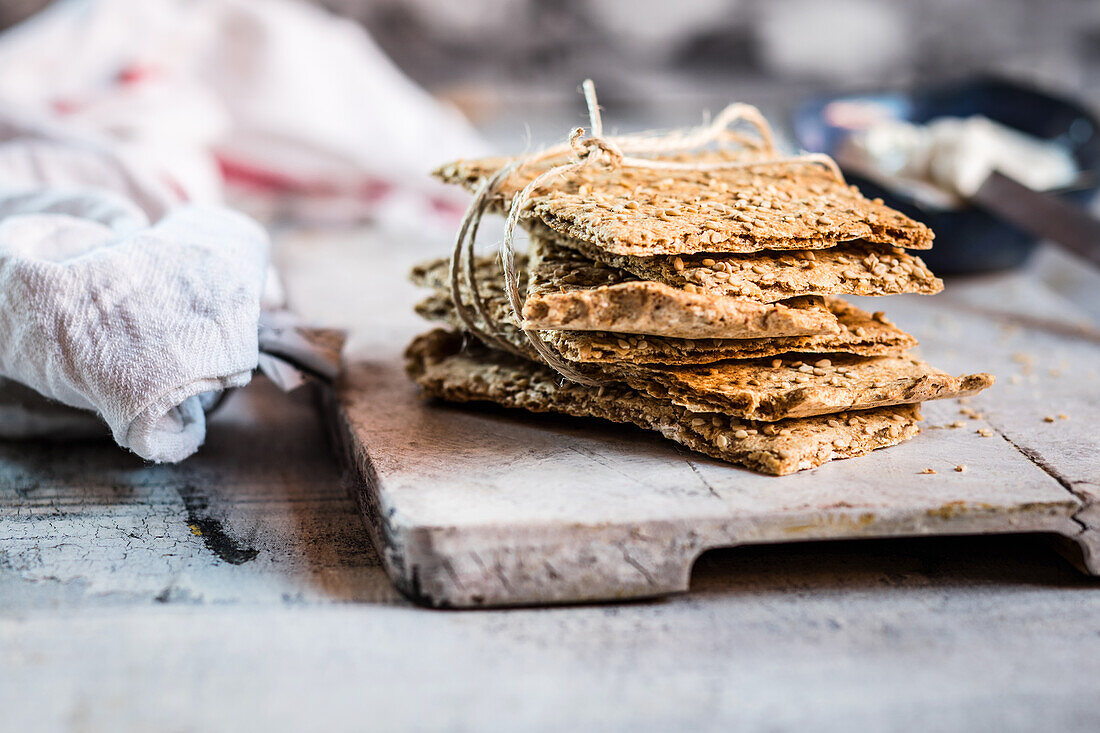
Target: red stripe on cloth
<point>244,174</point>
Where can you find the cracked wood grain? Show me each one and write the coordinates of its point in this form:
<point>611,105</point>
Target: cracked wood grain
<point>259,515</point>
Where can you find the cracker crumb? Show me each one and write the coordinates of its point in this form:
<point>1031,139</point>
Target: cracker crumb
<point>928,471</point>
<point>961,467</point>
<point>1048,418</point>
<point>985,432</point>
<point>1063,416</point>
<point>957,424</point>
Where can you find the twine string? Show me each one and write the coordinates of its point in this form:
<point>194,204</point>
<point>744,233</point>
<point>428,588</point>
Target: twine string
<point>463,266</point>
<point>596,151</point>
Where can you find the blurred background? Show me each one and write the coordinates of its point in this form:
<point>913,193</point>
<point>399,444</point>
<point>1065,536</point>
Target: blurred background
<point>484,53</point>
<point>506,59</point>
<point>283,71</point>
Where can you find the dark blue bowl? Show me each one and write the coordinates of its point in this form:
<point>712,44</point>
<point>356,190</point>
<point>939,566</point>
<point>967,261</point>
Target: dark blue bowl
<point>968,239</point>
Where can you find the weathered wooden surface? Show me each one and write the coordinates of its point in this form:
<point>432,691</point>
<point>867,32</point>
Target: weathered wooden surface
<point>259,515</point>
<point>115,615</point>
<point>481,506</point>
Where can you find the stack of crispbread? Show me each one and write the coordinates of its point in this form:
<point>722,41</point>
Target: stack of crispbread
<point>704,302</point>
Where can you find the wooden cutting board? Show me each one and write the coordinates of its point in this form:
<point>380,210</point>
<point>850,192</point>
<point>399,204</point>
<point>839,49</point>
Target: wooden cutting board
<point>475,506</point>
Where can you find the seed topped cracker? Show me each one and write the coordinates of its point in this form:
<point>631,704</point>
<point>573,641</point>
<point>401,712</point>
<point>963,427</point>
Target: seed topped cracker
<point>860,332</point>
<point>567,291</point>
<point>646,211</point>
<point>854,268</point>
<point>773,389</point>
<point>438,362</point>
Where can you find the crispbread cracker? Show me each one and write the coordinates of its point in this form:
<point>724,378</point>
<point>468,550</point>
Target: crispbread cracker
<point>774,389</point>
<point>799,386</point>
<point>568,292</point>
<point>438,364</point>
<point>861,333</point>
<point>853,268</point>
<point>645,211</point>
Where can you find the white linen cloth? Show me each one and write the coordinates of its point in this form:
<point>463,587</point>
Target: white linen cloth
<point>276,98</point>
<point>124,289</point>
<point>141,323</point>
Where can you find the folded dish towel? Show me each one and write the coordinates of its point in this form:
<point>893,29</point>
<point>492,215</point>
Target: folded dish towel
<point>142,323</point>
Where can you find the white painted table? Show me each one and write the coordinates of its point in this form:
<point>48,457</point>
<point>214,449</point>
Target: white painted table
<point>239,591</point>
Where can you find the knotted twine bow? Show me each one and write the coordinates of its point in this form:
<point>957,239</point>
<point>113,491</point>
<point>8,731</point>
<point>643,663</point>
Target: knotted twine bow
<point>595,151</point>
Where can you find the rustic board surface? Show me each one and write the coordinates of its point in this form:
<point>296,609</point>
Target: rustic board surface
<point>479,506</point>
<point>239,591</point>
